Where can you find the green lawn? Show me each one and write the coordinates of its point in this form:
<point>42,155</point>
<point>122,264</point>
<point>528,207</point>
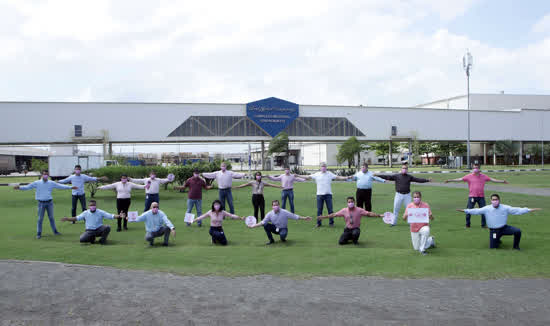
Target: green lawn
<point>383,251</point>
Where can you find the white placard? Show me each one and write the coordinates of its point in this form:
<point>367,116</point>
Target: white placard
<point>132,216</point>
<point>250,220</point>
<point>189,218</point>
<point>418,215</point>
<point>388,217</point>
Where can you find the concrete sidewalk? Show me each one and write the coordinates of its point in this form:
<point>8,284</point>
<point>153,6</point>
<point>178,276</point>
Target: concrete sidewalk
<point>41,293</point>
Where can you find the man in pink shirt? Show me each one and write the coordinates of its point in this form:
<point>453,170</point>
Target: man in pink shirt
<point>224,178</point>
<point>287,181</point>
<point>476,184</point>
<point>352,215</point>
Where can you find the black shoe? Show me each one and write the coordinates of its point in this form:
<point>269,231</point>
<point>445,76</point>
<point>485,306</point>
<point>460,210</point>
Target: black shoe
<point>484,226</point>
<point>74,222</point>
<point>467,226</point>
<point>57,233</point>
<point>118,229</point>
<point>518,249</point>
<point>283,240</point>
<point>199,225</point>
<point>125,228</point>
<point>270,242</point>
<point>151,243</point>
<point>424,253</point>
<point>102,242</point>
<point>318,225</point>
<point>355,243</point>
<point>165,245</point>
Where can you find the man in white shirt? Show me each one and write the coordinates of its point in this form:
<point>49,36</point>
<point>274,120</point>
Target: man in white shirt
<point>323,179</point>
<point>151,192</point>
<point>224,178</point>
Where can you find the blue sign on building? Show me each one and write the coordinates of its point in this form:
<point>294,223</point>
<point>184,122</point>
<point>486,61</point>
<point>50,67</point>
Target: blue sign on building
<point>272,114</point>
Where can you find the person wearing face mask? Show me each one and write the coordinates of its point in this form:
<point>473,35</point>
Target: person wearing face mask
<point>217,214</point>
<point>152,191</point>
<point>44,198</point>
<point>497,218</point>
<point>157,224</point>
<point>476,184</point>
<point>287,181</point>
<point>123,190</point>
<point>364,180</point>
<point>224,178</point>
<point>420,232</point>
<point>94,223</point>
<point>258,201</point>
<point>78,179</point>
<point>352,215</point>
<point>194,198</point>
<point>323,180</point>
<point>276,222</point>
<point>402,189</point>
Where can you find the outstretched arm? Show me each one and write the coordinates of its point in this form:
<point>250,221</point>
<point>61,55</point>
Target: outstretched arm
<point>305,177</point>
<point>243,185</point>
<point>272,185</point>
<point>203,216</point>
<point>274,178</point>
<point>136,180</point>
<point>454,180</point>
<point>497,180</point>
<point>420,180</point>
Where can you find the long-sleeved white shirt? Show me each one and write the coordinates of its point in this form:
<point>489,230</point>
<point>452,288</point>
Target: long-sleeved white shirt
<point>123,190</point>
<point>497,217</point>
<point>155,184</point>
<point>224,179</point>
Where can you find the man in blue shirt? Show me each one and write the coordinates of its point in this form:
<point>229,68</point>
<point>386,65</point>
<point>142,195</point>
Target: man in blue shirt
<point>94,223</point>
<point>44,197</point>
<point>364,180</point>
<point>496,215</point>
<point>78,180</point>
<point>157,224</point>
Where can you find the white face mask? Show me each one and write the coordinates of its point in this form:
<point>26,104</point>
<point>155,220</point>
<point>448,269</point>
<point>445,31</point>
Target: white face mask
<point>351,205</point>
<point>323,169</point>
<point>153,176</point>
<point>217,207</point>
<point>124,180</point>
<point>495,203</point>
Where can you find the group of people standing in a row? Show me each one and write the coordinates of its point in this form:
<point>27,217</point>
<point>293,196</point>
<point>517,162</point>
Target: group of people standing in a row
<point>157,223</point>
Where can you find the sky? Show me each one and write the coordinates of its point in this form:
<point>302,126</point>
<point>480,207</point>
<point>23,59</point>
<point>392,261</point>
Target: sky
<point>376,53</point>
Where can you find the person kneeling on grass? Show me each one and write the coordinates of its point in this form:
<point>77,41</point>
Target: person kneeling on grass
<point>157,225</point>
<point>420,232</point>
<point>497,216</point>
<point>352,215</point>
<point>279,222</point>
<point>217,215</point>
<point>94,223</point>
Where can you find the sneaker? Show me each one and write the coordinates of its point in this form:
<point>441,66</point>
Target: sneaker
<point>188,224</point>
<point>151,243</point>
<point>270,242</point>
<point>283,240</point>
<point>467,226</point>
<point>74,222</point>
<point>424,253</point>
<point>392,225</point>
<point>38,236</point>
<point>518,249</point>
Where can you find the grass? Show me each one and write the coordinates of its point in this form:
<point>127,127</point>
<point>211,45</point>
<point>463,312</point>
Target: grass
<point>383,251</point>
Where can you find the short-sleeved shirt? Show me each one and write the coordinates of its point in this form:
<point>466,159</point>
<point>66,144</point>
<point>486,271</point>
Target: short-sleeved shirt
<point>352,217</point>
<point>195,187</point>
<point>257,188</point>
<point>476,184</point>
<point>415,227</point>
<point>323,181</point>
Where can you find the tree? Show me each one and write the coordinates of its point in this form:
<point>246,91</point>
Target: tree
<point>383,149</point>
<point>508,149</point>
<point>279,144</point>
<point>427,148</point>
<point>349,150</point>
<point>38,165</point>
<point>449,149</point>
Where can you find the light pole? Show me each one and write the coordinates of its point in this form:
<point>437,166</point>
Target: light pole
<point>467,64</point>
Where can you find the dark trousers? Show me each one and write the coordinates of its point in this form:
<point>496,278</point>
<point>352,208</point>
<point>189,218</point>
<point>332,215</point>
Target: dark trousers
<point>149,199</point>
<point>364,197</point>
<point>327,199</point>
<point>226,194</point>
<point>350,234</point>
<point>163,231</point>
<point>90,235</point>
<point>76,198</point>
<point>123,205</point>
<point>258,202</point>
<point>288,193</point>
<point>271,228</point>
<point>216,232</point>
<point>471,203</point>
<point>496,234</point>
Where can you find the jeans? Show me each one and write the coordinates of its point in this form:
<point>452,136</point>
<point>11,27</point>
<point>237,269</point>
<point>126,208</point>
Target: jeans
<point>149,199</point>
<point>364,197</point>
<point>198,205</point>
<point>226,194</point>
<point>271,228</point>
<point>398,201</point>
<point>496,234</point>
<point>349,234</point>
<point>90,235</point>
<point>471,203</point>
<point>163,231</point>
<point>328,200</point>
<point>44,206</point>
<point>216,232</point>
<point>122,205</point>
<point>258,202</point>
<point>76,198</point>
<point>288,193</point>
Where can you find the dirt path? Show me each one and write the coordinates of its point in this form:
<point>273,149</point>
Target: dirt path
<point>41,293</point>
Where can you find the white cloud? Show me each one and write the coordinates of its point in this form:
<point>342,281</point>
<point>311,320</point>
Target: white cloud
<point>311,52</point>
<point>543,25</point>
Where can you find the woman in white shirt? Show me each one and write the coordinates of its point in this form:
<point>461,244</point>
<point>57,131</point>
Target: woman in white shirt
<point>217,215</point>
<point>123,190</point>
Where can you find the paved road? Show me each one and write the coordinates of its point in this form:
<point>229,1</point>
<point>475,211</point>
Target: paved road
<point>494,188</point>
<point>41,293</point>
